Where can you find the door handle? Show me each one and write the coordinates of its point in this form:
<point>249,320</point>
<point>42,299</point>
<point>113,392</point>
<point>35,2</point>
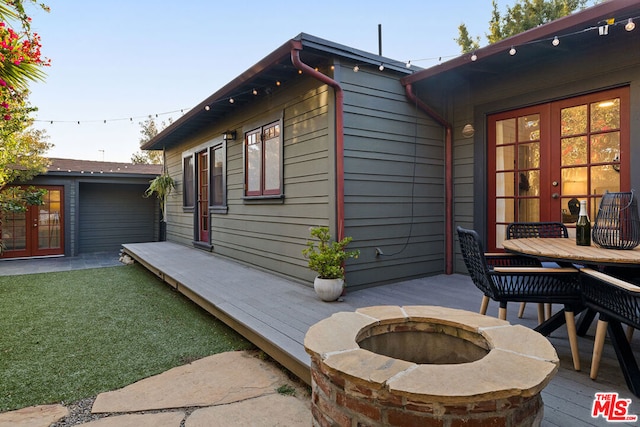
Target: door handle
<point>555,195</point>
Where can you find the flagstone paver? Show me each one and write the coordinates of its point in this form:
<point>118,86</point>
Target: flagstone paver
<point>33,416</point>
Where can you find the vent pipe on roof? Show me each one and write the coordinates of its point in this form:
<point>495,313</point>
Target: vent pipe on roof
<point>448,176</point>
<point>339,101</point>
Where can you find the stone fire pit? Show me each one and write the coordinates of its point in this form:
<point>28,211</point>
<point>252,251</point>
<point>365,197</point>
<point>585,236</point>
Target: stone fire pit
<point>427,366</point>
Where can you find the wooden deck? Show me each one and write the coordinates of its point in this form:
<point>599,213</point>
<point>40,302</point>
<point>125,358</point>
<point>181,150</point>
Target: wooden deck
<point>275,313</point>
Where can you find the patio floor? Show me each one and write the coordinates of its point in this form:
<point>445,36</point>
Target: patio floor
<point>275,313</point>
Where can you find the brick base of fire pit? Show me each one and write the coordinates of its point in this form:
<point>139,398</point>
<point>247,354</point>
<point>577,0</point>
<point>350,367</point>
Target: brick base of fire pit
<point>426,366</point>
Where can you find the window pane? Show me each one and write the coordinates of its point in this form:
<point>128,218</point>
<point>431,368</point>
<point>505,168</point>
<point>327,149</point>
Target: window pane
<point>529,210</point>
<point>254,163</point>
<point>272,164</point>
<point>529,183</point>
<point>529,128</point>
<point>605,115</point>
<point>188,190</point>
<point>506,131</point>
<point>574,151</point>
<point>605,147</point>
<point>574,120</point>
<point>504,210</point>
<point>217,198</point>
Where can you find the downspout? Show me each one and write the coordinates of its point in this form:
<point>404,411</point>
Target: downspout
<point>448,176</point>
<point>339,101</point>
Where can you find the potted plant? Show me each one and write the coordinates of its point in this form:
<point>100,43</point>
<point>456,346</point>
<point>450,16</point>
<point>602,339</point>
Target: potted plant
<point>161,186</point>
<point>327,259</point>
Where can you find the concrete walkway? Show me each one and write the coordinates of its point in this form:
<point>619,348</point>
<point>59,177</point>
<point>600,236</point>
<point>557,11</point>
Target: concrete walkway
<point>228,389</point>
<point>11,267</point>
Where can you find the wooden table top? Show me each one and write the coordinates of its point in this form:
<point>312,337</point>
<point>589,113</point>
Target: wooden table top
<point>562,249</point>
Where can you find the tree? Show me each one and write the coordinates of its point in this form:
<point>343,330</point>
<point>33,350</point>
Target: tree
<point>21,148</point>
<point>149,131</point>
<point>522,16</point>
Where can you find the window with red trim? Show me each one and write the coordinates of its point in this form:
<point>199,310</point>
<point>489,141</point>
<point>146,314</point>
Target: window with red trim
<point>263,161</point>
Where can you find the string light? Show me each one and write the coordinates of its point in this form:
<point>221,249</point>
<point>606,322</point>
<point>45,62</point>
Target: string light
<point>381,67</point>
<point>512,51</point>
<point>474,57</point>
<point>630,25</point>
<point>556,41</point>
<point>356,69</point>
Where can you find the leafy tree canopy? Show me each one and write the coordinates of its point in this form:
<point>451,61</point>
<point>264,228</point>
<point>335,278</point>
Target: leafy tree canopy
<point>522,16</point>
<point>149,131</point>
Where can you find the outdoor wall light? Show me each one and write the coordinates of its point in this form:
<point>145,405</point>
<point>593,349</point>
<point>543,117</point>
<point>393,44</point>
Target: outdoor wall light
<point>468,130</point>
<point>229,135</point>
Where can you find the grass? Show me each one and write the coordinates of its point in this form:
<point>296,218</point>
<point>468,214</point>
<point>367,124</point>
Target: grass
<point>71,335</point>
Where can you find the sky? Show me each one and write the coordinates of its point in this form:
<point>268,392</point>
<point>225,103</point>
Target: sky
<point>123,60</point>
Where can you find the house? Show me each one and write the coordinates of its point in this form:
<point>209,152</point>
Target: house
<point>89,206</point>
<point>540,121</point>
<point>319,133</point>
<point>315,134</point>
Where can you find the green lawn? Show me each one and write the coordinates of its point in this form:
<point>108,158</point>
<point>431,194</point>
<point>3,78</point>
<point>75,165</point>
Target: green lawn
<point>71,335</point>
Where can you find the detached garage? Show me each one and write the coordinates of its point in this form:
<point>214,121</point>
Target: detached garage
<point>90,207</point>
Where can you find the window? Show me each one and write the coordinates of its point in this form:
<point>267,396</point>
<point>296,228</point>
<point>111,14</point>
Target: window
<point>263,161</point>
<point>218,182</point>
<point>188,187</point>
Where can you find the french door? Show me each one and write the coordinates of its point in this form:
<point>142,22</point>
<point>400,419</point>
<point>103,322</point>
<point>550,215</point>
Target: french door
<point>37,232</point>
<point>203,196</point>
<point>543,160</point>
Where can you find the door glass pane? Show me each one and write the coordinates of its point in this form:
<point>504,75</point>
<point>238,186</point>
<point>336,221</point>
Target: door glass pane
<point>504,184</point>
<point>504,210</point>
<point>529,210</point>
<point>574,151</point>
<point>605,115</point>
<point>529,128</point>
<point>49,221</point>
<point>505,157</point>
<point>529,155</point>
<point>605,147</point>
<point>505,131</point>
<point>14,231</point>
<point>529,183</point>
<point>573,120</point>
<point>574,181</point>
<point>604,178</point>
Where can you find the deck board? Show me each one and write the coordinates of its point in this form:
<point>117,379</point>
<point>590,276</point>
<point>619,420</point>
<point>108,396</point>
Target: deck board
<point>275,313</point>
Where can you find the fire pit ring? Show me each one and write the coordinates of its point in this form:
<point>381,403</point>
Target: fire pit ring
<point>426,365</point>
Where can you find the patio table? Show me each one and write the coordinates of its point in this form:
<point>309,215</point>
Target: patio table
<point>613,261</point>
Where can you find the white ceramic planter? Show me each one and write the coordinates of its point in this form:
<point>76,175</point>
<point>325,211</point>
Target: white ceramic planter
<point>328,289</point>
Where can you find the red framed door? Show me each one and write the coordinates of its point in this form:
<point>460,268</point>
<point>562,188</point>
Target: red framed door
<point>543,160</point>
<point>37,232</point>
<point>203,196</point>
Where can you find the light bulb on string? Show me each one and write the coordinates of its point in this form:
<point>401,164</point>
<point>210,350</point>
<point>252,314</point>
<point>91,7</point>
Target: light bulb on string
<point>512,51</point>
<point>474,57</point>
<point>556,41</point>
<point>207,108</point>
<point>356,69</point>
<point>408,64</point>
<point>381,67</point>
<point>630,25</point>
<point>231,100</point>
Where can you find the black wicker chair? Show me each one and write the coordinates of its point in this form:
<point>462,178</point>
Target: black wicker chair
<point>617,302</point>
<point>523,230</point>
<point>523,284</point>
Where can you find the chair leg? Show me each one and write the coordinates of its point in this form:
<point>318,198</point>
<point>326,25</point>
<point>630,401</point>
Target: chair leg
<point>502,313</point>
<point>521,311</point>
<point>601,333</point>
<point>573,338</point>
<point>484,304</point>
<point>540,313</point>
<point>630,330</point>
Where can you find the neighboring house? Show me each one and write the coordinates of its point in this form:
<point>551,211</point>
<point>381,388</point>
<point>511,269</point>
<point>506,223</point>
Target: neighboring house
<point>323,134</point>
<point>89,207</point>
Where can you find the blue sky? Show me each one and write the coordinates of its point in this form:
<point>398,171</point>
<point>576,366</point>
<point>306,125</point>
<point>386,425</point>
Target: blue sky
<point>119,59</point>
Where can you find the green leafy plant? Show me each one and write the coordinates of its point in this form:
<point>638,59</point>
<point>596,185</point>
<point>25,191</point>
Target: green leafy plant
<point>161,186</point>
<point>327,258</point>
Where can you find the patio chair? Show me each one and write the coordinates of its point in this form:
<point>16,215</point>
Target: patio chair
<point>522,230</point>
<point>617,302</point>
<point>523,284</point>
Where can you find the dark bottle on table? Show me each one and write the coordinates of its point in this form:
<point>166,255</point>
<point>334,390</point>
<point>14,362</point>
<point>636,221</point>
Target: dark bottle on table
<point>583,226</point>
